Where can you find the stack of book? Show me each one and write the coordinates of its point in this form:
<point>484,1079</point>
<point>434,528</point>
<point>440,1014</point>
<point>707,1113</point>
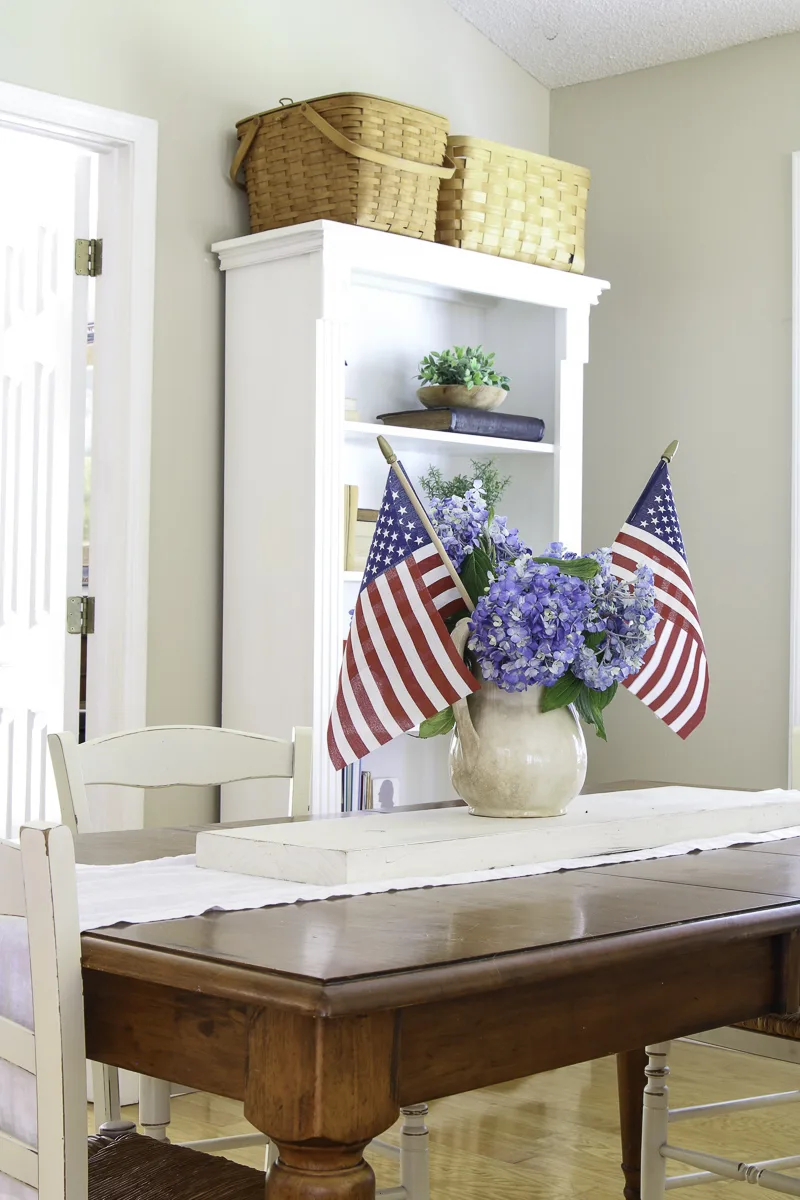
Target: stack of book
<point>359,528</point>
<point>477,421</point>
<point>357,793</point>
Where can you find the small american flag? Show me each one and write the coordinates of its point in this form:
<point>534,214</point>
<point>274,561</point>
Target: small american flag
<point>674,679</point>
<point>400,665</point>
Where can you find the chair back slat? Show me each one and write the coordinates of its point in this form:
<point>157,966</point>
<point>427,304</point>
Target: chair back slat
<point>17,1045</point>
<point>176,755</point>
<point>12,888</point>
<point>19,1161</point>
<point>42,868</point>
<point>190,755</point>
<point>300,795</point>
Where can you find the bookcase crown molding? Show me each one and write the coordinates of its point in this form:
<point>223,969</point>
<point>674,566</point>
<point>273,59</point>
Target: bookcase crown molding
<point>370,252</point>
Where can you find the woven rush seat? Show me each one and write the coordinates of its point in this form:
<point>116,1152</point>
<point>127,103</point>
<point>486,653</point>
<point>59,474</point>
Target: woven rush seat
<point>133,1167</point>
<point>775,1025</point>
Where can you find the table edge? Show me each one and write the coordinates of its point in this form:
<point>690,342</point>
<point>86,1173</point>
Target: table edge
<point>450,981</point>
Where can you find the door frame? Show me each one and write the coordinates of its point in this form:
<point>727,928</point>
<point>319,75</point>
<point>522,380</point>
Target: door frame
<point>794,593</point>
<point>128,148</point>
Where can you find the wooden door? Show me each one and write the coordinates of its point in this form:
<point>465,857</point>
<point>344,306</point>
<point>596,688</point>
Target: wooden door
<point>44,205</point>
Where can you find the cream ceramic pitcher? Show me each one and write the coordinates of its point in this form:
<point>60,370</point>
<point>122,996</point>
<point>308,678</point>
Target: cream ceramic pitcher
<point>507,757</point>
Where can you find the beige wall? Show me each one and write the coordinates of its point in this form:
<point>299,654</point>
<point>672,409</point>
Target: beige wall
<point>197,66</point>
<point>690,219</point>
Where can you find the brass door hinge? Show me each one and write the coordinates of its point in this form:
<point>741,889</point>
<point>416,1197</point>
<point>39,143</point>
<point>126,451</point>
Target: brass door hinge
<point>80,614</point>
<point>89,256</point>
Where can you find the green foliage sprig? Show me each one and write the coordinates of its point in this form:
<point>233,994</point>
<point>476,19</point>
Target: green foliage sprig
<point>494,484</point>
<point>466,365</point>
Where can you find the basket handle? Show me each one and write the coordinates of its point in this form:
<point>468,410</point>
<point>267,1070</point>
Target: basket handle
<point>243,150</point>
<point>374,156</point>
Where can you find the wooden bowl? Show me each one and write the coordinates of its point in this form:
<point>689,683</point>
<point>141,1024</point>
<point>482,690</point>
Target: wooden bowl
<point>455,395</point>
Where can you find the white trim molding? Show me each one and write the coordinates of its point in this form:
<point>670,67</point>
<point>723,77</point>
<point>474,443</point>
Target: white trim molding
<point>127,148</point>
<point>417,260</point>
<point>794,598</point>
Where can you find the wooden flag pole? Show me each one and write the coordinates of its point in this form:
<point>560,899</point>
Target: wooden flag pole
<point>670,452</point>
<point>391,458</point>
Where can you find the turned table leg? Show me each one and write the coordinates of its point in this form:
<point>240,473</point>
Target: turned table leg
<point>321,1173</point>
<point>630,1083</point>
<point>321,1088</point>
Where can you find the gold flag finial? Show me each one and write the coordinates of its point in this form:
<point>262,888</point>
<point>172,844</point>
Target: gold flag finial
<point>387,451</point>
<point>670,451</point>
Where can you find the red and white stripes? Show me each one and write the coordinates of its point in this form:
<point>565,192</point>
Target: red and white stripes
<point>400,665</point>
<point>673,682</point>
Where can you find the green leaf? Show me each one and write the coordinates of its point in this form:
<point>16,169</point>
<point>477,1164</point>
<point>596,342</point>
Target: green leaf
<point>494,484</point>
<point>443,722</point>
<point>468,365</point>
<point>564,692</point>
<point>597,712</point>
<point>582,705</point>
<point>581,568</point>
<point>474,571</point>
<point>593,640</point>
<point>608,695</point>
<point>590,709</point>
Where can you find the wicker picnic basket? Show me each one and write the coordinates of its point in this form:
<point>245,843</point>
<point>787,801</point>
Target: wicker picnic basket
<point>514,204</point>
<point>348,157</point>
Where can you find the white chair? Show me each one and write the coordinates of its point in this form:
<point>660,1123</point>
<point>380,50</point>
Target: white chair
<point>163,756</point>
<point>657,1150</point>
<point>43,1143</point>
<point>160,757</point>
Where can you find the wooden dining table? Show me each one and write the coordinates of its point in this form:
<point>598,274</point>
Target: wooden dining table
<point>325,1017</point>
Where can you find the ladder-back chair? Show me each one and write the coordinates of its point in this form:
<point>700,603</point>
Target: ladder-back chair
<point>161,757</point>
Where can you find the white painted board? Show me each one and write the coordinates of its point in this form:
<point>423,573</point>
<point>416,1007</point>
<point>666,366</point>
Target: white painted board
<point>445,841</point>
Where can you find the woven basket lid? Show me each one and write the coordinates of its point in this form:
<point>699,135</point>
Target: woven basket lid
<point>334,96</point>
<point>513,151</point>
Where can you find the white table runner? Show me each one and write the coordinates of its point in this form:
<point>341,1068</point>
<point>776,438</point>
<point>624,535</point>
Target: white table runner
<point>168,888</point>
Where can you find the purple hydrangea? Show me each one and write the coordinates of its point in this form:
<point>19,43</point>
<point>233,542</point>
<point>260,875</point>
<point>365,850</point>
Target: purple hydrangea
<point>528,628</point>
<point>507,542</point>
<point>463,523</point>
<point>460,521</point>
<point>624,613</point>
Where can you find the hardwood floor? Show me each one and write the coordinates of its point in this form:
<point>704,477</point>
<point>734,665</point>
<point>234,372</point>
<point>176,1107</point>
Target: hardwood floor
<point>556,1135</point>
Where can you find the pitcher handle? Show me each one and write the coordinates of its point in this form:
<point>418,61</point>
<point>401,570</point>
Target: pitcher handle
<point>466,730</point>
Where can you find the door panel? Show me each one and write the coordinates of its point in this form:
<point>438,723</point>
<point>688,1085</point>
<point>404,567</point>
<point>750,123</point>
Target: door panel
<point>43,203</point>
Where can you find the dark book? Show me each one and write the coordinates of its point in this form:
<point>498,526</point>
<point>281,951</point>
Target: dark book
<point>469,420</point>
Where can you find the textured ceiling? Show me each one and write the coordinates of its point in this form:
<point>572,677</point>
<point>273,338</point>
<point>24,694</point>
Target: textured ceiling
<point>569,41</point>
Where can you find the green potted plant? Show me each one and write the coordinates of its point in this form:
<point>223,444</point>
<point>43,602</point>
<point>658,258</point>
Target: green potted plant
<point>463,377</point>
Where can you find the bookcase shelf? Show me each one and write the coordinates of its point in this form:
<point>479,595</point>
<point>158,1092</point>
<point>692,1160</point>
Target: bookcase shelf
<point>354,311</point>
<point>365,432</point>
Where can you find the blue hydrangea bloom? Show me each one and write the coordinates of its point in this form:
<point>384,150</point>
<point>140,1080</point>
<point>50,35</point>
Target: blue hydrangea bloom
<point>463,523</point>
<point>507,542</point>
<point>460,521</point>
<point>625,613</point>
<point>528,628</point>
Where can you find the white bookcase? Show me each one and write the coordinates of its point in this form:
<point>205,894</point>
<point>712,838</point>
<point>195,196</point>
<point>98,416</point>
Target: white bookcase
<point>321,311</point>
